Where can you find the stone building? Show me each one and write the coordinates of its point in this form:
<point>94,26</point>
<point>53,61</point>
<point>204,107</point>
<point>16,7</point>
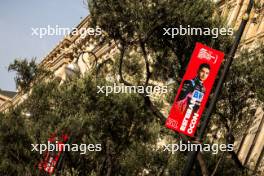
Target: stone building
<point>250,146</point>
<point>6,96</point>
<point>74,53</point>
<point>233,11</point>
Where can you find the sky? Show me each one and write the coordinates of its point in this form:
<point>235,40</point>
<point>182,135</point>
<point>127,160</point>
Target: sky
<point>18,19</point>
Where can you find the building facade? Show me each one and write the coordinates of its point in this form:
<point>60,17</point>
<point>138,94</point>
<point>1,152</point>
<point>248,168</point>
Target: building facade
<point>250,148</point>
<point>233,11</point>
<point>6,96</point>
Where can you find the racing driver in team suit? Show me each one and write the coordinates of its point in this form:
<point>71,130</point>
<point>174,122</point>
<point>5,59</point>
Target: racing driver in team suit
<point>193,89</point>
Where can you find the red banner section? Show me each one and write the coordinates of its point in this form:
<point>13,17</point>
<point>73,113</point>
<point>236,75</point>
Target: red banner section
<point>51,158</point>
<point>194,90</point>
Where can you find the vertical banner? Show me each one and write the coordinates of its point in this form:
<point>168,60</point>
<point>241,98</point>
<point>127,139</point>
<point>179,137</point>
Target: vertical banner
<point>53,154</point>
<point>194,90</point>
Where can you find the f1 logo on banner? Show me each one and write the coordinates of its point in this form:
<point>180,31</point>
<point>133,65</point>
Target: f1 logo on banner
<point>194,90</point>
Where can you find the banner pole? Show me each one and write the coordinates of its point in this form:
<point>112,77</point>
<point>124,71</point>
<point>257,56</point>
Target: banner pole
<point>193,154</point>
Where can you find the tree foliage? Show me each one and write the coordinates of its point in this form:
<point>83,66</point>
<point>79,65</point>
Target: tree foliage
<point>26,73</point>
<point>121,123</point>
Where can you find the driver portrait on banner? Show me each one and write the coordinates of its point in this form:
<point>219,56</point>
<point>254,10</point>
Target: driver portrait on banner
<point>193,89</point>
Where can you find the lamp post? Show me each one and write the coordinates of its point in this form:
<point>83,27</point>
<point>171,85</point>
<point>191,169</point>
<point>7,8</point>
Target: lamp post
<point>229,59</point>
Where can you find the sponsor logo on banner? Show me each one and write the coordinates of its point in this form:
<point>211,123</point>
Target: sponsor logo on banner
<point>194,90</point>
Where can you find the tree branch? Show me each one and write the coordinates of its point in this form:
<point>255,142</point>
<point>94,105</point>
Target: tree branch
<point>121,59</point>
<point>142,46</point>
<point>202,164</point>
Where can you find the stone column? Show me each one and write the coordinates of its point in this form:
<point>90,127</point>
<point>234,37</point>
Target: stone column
<point>233,19</point>
<point>259,144</point>
<point>261,25</point>
<point>245,153</point>
<point>252,26</point>
<point>241,12</point>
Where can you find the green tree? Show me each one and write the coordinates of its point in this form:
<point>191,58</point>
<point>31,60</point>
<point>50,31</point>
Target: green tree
<point>26,73</point>
<point>139,25</point>
<point>121,123</point>
<point>15,154</point>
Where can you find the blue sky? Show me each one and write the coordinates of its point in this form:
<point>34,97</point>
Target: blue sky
<point>16,20</point>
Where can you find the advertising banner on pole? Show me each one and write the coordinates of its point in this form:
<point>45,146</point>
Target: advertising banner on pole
<point>53,155</point>
<point>194,90</point>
